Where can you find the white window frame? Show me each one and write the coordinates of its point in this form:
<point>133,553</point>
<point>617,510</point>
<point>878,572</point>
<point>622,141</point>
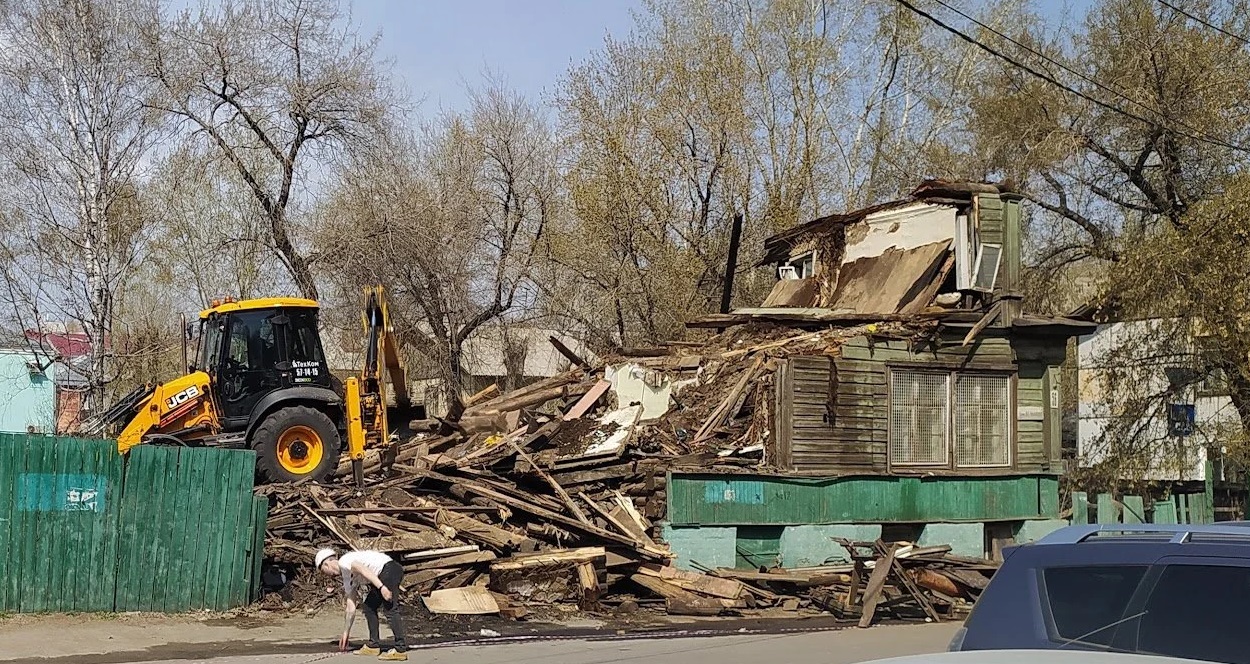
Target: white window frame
<point>804,264</point>
<point>950,456</point>
<point>976,270</point>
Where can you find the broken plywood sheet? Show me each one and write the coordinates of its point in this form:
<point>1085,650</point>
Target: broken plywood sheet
<point>609,439</point>
<point>793,293</point>
<point>887,283</point>
<point>635,385</point>
<point>470,600</point>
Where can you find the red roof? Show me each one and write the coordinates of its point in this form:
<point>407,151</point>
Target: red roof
<point>67,344</point>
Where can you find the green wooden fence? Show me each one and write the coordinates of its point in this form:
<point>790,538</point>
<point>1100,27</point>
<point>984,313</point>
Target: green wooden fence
<point>165,529</point>
<point>1177,508</point>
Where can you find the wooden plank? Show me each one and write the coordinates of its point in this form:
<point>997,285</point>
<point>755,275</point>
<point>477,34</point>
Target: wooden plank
<point>547,514</point>
<point>111,526</point>
<point>260,507</point>
<point>588,579</point>
<point>29,462</point>
<point>71,585</point>
<point>1108,511</point>
<point>134,511</point>
<point>716,586</point>
<point>726,408</point>
<point>876,583</point>
<point>783,412</point>
<point>442,553</point>
<point>1080,508</point>
<point>241,568</point>
<point>1164,512</point>
<point>548,558</point>
<point>471,600</point>
<point>904,579</point>
<point>191,593</point>
<point>9,471</point>
<point>165,486</point>
<point>211,534</point>
<point>51,551</point>
<point>1134,509</point>
<point>460,560</point>
<point>588,401</point>
<point>555,486</point>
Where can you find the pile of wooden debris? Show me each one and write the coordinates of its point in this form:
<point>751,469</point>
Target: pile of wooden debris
<point>551,494</point>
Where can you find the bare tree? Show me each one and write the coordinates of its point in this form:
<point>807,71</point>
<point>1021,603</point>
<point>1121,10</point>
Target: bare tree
<point>781,110</point>
<point>450,221</point>
<point>273,88</point>
<point>75,131</point>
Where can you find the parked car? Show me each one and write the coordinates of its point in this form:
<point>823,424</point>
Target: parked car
<point>1178,591</point>
<point>1033,657</point>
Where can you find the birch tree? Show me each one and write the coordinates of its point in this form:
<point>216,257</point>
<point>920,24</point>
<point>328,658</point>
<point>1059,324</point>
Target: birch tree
<point>74,132</point>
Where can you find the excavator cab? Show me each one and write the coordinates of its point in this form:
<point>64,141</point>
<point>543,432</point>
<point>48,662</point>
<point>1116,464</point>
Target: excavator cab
<point>252,353</point>
<point>270,385</point>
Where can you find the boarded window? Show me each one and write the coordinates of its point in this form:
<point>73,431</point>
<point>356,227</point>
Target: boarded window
<point>982,420</point>
<point>950,419</point>
<point>919,418</point>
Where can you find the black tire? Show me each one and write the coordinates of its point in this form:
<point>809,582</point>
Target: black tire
<point>287,433</point>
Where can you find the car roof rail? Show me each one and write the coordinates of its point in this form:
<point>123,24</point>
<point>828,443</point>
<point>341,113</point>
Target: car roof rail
<point>1180,533</point>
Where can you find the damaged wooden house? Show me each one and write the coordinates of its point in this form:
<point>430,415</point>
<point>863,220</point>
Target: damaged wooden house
<point>949,436</point>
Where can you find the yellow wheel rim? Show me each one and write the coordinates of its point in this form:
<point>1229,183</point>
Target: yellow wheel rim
<point>300,450</point>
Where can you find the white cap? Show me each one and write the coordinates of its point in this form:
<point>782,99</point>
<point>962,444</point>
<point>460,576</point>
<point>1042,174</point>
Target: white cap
<point>322,555</point>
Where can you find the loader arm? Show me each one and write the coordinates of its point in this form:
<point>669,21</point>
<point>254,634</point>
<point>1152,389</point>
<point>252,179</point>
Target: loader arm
<point>366,396</point>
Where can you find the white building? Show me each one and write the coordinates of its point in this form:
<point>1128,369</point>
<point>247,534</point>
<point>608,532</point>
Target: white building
<point>1138,382</point>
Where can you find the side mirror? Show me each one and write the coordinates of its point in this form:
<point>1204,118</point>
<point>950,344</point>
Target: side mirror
<point>191,368</point>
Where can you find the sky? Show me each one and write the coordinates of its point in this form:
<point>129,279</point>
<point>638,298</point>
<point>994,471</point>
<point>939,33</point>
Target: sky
<point>440,48</point>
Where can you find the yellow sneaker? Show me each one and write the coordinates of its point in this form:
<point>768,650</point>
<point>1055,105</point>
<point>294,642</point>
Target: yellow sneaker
<point>393,655</point>
<point>367,650</point>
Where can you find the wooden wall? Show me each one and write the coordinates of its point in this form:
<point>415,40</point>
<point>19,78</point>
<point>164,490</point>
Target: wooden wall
<point>833,413</point>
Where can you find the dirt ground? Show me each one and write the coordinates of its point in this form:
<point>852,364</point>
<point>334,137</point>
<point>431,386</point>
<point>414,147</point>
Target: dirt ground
<point>117,639</point>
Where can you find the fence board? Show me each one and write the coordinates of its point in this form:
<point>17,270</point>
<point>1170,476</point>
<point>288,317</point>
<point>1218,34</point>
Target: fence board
<point>1107,511</point>
<point>1134,509</point>
<point>1080,508</point>
<point>8,474</point>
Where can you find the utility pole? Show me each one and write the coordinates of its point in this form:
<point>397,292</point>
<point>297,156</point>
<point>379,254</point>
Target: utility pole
<point>735,238</point>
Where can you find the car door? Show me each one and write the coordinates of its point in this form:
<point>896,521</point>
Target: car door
<point>248,365</point>
<point>1192,607</point>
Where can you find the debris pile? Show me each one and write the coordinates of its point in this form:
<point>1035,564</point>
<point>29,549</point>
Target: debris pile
<point>550,494</point>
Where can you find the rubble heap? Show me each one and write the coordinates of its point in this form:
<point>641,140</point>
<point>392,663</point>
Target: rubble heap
<point>551,493</point>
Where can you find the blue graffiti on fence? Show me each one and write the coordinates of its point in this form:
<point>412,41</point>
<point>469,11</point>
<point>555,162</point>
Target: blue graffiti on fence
<point>48,492</point>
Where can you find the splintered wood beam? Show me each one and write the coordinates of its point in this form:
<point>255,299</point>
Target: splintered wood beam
<point>555,486</point>
<point>876,584</point>
<point>982,324</point>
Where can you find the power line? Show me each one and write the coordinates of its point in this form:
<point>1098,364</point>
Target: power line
<point>1055,82</point>
<point>1205,22</point>
<point>1049,59</point>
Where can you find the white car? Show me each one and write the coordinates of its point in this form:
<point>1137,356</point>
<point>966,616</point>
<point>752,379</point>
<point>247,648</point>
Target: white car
<point>1033,657</point>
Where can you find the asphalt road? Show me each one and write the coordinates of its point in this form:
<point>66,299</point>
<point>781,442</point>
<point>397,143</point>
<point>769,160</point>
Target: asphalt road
<point>827,647</point>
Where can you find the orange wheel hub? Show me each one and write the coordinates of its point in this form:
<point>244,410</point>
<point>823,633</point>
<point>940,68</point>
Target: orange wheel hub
<point>300,450</point>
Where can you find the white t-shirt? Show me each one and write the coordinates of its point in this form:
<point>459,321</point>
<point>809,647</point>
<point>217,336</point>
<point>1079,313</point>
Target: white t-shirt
<point>373,560</point>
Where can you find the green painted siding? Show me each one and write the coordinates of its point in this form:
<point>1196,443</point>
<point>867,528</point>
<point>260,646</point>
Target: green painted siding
<point>706,499</point>
<point>847,432</point>
<point>166,529</point>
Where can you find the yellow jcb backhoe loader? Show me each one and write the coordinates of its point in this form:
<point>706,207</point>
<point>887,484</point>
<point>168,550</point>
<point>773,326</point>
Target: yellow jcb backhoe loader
<point>260,381</point>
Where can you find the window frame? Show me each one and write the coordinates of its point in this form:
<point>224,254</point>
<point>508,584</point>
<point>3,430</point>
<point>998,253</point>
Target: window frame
<point>951,373</point>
